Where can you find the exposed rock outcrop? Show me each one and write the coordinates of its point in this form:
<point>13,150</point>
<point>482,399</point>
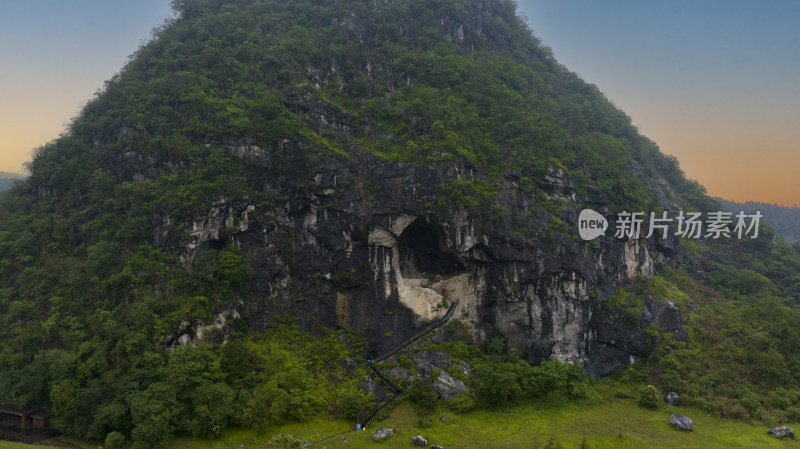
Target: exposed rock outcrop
<point>400,373</point>
<point>448,387</point>
<point>217,330</point>
<point>418,441</point>
<point>781,432</point>
<point>665,314</point>
<point>382,434</point>
<point>673,399</point>
<point>370,385</point>
<point>681,422</point>
<point>360,245</point>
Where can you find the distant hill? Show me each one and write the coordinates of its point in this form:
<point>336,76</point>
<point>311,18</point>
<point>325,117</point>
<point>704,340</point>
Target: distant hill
<point>785,220</point>
<point>7,180</point>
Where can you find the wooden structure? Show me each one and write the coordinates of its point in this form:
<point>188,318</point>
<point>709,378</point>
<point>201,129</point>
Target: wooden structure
<point>29,424</point>
<point>29,417</point>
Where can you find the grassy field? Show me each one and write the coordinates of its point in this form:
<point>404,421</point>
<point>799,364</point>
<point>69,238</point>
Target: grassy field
<point>614,423</point>
<point>10,445</point>
<point>67,440</point>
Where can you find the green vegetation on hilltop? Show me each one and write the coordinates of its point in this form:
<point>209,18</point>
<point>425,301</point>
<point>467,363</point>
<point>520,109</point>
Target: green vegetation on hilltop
<point>785,220</point>
<point>242,71</point>
<point>7,180</point>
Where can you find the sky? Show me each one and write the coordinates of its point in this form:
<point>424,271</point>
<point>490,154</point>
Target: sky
<point>714,83</point>
<point>54,56</point>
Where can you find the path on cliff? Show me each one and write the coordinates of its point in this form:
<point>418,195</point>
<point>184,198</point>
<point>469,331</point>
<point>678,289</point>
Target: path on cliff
<point>442,322</point>
<point>407,343</point>
<point>397,391</point>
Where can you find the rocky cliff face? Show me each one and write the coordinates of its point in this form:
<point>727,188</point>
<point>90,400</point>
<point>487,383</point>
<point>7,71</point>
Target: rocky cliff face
<point>374,163</point>
<point>381,248</point>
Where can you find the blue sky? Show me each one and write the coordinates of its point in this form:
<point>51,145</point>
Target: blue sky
<point>54,55</point>
<point>714,83</point>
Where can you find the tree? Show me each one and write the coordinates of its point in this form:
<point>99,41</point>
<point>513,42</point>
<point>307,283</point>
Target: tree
<point>256,413</point>
<point>64,399</point>
<point>190,366</point>
<point>213,406</point>
<point>496,384</point>
<point>156,415</point>
<point>423,397</point>
<point>352,403</point>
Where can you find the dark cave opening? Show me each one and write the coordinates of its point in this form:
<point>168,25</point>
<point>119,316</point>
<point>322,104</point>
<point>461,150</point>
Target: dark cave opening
<point>423,251</point>
<point>217,245</point>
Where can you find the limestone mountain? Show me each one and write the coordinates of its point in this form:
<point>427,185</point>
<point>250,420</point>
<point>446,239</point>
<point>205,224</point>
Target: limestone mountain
<point>343,165</point>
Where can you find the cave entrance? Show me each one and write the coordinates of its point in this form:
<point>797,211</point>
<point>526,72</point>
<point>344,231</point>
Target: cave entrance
<point>423,252</point>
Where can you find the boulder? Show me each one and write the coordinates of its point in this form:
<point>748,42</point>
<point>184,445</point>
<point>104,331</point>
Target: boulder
<point>398,372</point>
<point>672,398</point>
<point>426,360</point>
<point>438,359</point>
<point>681,422</point>
<point>423,369</point>
<point>382,434</point>
<point>664,314</point>
<point>418,441</point>
<point>448,387</point>
<point>370,385</point>
<point>781,432</point>
<point>558,183</point>
<point>349,365</point>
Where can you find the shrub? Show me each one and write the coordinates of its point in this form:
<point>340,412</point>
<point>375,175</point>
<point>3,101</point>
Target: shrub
<point>737,412</point>
<point>794,414</point>
<point>553,443</point>
<point>632,375</point>
<point>352,403</point>
<point>747,398</point>
<point>559,381</point>
<point>286,441</point>
<point>648,397</point>
<point>115,440</point>
<point>423,398</point>
<point>461,403</point>
<point>423,423</point>
<point>496,384</point>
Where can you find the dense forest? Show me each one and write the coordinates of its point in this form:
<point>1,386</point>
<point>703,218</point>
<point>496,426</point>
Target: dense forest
<point>7,180</point>
<point>95,286</point>
<point>785,220</point>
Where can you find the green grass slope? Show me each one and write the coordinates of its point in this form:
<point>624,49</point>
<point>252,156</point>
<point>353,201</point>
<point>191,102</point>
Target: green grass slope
<point>612,424</point>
